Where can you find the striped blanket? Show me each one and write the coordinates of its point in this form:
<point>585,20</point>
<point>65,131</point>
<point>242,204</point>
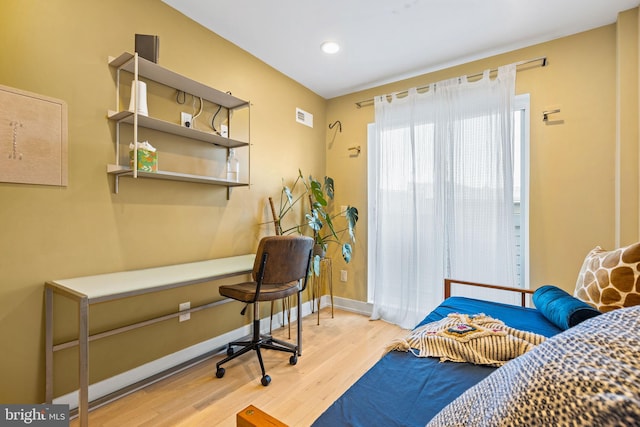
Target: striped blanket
<point>477,339</point>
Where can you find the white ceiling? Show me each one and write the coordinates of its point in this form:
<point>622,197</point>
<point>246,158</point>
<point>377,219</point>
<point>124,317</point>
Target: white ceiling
<point>388,40</point>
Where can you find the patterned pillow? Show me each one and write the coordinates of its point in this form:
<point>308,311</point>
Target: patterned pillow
<point>610,279</point>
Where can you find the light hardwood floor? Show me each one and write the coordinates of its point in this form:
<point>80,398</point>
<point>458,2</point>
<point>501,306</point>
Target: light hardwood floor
<point>334,355</point>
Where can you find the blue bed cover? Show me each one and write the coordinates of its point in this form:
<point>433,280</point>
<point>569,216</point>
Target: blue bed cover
<point>404,390</point>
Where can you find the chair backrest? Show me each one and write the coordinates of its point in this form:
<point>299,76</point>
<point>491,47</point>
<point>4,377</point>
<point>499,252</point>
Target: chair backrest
<point>287,259</point>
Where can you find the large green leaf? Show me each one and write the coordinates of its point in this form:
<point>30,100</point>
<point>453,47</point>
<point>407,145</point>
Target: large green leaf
<point>329,221</point>
<point>289,194</point>
<point>328,186</point>
<point>346,252</point>
<point>318,194</point>
<point>352,218</point>
<point>314,222</point>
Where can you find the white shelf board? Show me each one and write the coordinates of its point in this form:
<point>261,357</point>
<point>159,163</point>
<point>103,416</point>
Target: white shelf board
<point>174,176</point>
<point>174,129</point>
<point>167,77</point>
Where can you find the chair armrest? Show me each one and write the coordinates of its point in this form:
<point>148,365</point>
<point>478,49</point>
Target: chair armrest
<point>449,282</point>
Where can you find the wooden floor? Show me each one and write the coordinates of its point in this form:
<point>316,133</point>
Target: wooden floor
<point>335,354</point>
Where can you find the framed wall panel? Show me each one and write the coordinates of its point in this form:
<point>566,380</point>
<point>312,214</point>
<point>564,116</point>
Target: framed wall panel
<point>33,138</point>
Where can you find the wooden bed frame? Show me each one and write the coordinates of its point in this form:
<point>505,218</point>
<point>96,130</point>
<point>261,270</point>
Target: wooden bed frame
<point>523,292</point>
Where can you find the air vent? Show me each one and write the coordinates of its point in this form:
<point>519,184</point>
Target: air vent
<point>304,117</point>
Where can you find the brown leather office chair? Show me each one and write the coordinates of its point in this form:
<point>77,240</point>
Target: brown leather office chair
<point>282,262</point>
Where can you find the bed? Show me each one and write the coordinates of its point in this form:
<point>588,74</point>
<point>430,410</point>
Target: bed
<point>404,390</point>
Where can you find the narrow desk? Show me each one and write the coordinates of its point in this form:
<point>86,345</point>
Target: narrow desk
<point>107,287</point>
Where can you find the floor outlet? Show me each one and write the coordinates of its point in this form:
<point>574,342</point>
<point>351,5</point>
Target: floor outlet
<point>182,307</point>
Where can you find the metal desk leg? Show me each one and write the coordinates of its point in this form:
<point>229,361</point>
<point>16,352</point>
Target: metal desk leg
<point>48,344</point>
<point>299,324</point>
<point>83,357</point>
<point>317,291</point>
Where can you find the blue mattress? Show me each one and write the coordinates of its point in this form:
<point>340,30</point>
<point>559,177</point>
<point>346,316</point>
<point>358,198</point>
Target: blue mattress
<point>404,390</point>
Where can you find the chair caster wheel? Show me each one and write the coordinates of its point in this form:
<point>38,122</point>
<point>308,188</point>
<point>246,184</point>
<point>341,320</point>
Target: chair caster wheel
<point>230,351</point>
<point>220,372</point>
<point>293,360</point>
<point>265,380</point>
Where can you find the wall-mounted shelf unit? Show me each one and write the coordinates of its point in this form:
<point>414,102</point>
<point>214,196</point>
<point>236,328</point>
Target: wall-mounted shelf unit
<point>140,67</point>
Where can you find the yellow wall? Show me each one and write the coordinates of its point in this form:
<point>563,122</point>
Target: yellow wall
<point>573,157</point>
<point>627,159</point>
<point>60,49</point>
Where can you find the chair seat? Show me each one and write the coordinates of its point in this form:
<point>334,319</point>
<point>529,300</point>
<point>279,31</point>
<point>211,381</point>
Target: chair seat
<point>246,291</point>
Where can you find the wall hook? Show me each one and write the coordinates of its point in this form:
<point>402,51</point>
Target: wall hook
<point>546,113</point>
<point>355,148</point>
<point>337,122</point>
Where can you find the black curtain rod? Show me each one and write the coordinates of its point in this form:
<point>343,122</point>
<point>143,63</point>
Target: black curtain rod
<point>542,60</point>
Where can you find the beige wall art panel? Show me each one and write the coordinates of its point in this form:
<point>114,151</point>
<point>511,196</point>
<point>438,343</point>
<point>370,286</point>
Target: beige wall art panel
<point>33,138</point>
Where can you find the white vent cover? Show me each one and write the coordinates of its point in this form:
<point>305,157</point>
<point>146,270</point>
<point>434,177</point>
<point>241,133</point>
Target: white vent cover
<point>304,117</point>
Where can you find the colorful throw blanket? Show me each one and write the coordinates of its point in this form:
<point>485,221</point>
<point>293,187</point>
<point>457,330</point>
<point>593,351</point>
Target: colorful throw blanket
<point>477,339</point>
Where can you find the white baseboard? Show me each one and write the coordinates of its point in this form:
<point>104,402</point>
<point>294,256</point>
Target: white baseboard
<point>351,305</point>
<point>127,379</point>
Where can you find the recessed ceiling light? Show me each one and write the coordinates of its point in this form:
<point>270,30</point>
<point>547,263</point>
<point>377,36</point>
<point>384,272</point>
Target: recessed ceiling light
<point>330,47</point>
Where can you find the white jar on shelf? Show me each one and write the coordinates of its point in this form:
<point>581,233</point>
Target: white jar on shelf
<point>139,91</point>
<point>233,166</point>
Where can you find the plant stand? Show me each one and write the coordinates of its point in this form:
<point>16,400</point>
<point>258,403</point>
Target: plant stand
<point>318,283</point>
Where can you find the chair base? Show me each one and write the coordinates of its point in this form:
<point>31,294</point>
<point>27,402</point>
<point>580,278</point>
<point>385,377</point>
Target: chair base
<point>257,342</point>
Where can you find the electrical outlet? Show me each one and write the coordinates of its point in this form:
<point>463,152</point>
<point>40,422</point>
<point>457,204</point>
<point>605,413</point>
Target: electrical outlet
<point>185,119</point>
<point>343,275</point>
<point>182,307</point>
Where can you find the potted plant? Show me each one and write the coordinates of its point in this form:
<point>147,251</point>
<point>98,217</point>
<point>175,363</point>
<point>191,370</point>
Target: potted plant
<point>325,227</point>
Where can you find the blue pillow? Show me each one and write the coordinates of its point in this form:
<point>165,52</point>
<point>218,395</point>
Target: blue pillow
<point>560,308</point>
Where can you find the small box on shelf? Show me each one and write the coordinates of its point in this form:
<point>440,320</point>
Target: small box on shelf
<point>147,160</point>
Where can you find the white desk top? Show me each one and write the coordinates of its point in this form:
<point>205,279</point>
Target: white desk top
<point>104,287</point>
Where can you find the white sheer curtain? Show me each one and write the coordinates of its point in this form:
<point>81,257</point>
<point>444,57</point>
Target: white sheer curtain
<point>441,201</point>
